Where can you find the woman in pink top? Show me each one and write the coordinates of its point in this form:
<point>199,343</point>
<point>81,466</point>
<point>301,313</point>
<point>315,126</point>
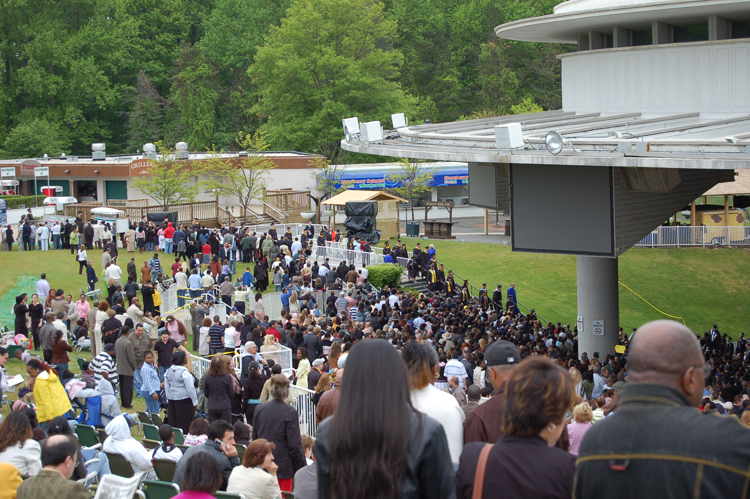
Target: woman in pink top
<point>177,330</point>
<point>582,417</point>
<point>83,306</point>
<point>201,478</point>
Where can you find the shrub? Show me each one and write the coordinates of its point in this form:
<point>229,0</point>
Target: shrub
<point>385,274</point>
<point>13,202</point>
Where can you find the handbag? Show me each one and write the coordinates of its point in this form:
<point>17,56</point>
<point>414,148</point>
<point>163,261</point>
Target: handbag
<point>479,475</point>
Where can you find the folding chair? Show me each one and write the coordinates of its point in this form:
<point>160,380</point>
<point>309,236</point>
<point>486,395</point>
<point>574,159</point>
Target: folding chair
<point>144,418</point>
<point>150,444</point>
<point>80,360</point>
<point>226,495</point>
<point>87,436</point>
<point>159,489</point>
<point>240,451</point>
<point>286,495</point>
<point>156,419</point>
<point>179,438</point>
<point>101,435</point>
<point>119,465</point>
<point>151,432</point>
<point>164,469</point>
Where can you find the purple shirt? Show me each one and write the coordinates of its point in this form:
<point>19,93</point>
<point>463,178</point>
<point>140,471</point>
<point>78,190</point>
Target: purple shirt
<point>576,431</point>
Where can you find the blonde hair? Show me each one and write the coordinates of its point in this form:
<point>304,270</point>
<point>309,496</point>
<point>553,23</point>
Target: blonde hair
<point>746,418</point>
<point>269,340</point>
<point>576,375</point>
<point>582,413</point>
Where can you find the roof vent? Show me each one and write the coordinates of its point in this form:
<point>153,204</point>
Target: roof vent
<point>98,151</point>
<point>182,150</point>
<point>149,150</point>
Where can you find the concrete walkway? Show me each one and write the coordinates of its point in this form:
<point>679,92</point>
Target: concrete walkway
<point>469,229</point>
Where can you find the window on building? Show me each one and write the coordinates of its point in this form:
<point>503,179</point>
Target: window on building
<point>694,33</point>
<point>640,37</point>
<point>740,29</point>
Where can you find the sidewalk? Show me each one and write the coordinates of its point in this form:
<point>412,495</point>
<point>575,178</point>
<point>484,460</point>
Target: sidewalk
<point>469,230</point>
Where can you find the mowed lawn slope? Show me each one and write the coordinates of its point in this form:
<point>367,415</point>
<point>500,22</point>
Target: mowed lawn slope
<point>703,286</point>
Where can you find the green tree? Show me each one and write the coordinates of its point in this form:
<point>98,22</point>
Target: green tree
<point>33,139</point>
<point>413,179</point>
<point>526,106</point>
<point>169,180</point>
<point>195,96</point>
<point>245,177</point>
<point>329,59</point>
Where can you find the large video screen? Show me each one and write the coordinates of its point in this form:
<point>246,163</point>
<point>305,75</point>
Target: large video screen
<point>562,209</point>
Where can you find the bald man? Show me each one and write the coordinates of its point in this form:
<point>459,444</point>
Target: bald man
<point>657,443</point>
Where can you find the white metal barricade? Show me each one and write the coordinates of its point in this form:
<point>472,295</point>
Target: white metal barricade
<point>302,401</point>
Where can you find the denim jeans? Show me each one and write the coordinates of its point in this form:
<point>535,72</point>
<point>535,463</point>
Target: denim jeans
<point>151,404</point>
<point>162,370</point>
<point>137,382</point>
<point>56,241</point>
<point>168,246</point>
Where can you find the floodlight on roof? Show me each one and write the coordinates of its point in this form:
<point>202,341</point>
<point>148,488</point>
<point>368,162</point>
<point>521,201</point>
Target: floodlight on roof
<point>371,132</point>
<point>508,136</point>
<point>399,121</point>
<point>351,128</point>
<point>731,140</point>
<point>554,142</point>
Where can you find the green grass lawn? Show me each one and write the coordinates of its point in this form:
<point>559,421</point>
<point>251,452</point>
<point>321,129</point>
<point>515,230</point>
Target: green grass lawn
<point>21,271</point>
<point>703,286</point>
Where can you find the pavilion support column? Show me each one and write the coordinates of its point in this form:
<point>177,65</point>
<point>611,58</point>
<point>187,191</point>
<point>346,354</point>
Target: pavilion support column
<point>598,301</point>
<point>726,216</point>
<point>693,221</point>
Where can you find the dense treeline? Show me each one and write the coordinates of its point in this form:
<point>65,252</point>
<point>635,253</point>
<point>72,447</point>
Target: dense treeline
<point>127,72</point>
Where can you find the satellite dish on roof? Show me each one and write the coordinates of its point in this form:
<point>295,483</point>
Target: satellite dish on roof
<point>554,142</point>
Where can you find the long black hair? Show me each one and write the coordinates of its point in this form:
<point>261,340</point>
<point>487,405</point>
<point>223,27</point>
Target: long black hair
<point>369,441</point>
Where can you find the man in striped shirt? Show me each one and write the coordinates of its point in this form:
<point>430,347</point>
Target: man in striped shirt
<point>155,265</point>
<point>216,335</point>
<point>104,365</point>
<point>454,367</point>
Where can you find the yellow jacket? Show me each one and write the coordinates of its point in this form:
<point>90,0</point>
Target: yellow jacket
<point>51,398</point>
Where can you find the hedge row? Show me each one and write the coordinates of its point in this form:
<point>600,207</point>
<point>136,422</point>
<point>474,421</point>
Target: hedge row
<point>13,202</point>
<point>386,274</point>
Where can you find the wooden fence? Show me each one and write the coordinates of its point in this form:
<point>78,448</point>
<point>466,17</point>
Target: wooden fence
<point>206,212</point>
<point>289,203</point>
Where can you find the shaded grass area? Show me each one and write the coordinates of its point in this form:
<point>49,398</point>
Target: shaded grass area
<point>703,286</point>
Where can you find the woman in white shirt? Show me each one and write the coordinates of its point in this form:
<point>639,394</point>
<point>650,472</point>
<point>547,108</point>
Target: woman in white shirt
<point>260,309</point>
<point>256,478</point>
<point>82,257</point>
<point>16,445</point>
<point>204,341</point>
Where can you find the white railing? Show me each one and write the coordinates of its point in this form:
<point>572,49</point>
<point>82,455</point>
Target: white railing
<point>199,366</point>
<point>679,236</point>
<point>301,397</point>
<point>272,303</point>
<point>302,401</point>
<point>336,252</point>
<point>282,357</point>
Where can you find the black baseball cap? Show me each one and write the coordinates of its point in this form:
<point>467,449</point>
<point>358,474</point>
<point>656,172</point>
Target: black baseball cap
<point>502,353</point>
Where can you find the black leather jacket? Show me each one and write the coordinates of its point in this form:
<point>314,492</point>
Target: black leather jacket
<point>430,473</point>
<point>657,445</point>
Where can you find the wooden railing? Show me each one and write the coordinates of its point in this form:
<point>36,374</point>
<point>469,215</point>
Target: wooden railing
<point>127,203</point>
<point>205,211</point>
<point>286,201</point>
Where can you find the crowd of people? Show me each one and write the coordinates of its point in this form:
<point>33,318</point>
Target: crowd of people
<point>481,397</point>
